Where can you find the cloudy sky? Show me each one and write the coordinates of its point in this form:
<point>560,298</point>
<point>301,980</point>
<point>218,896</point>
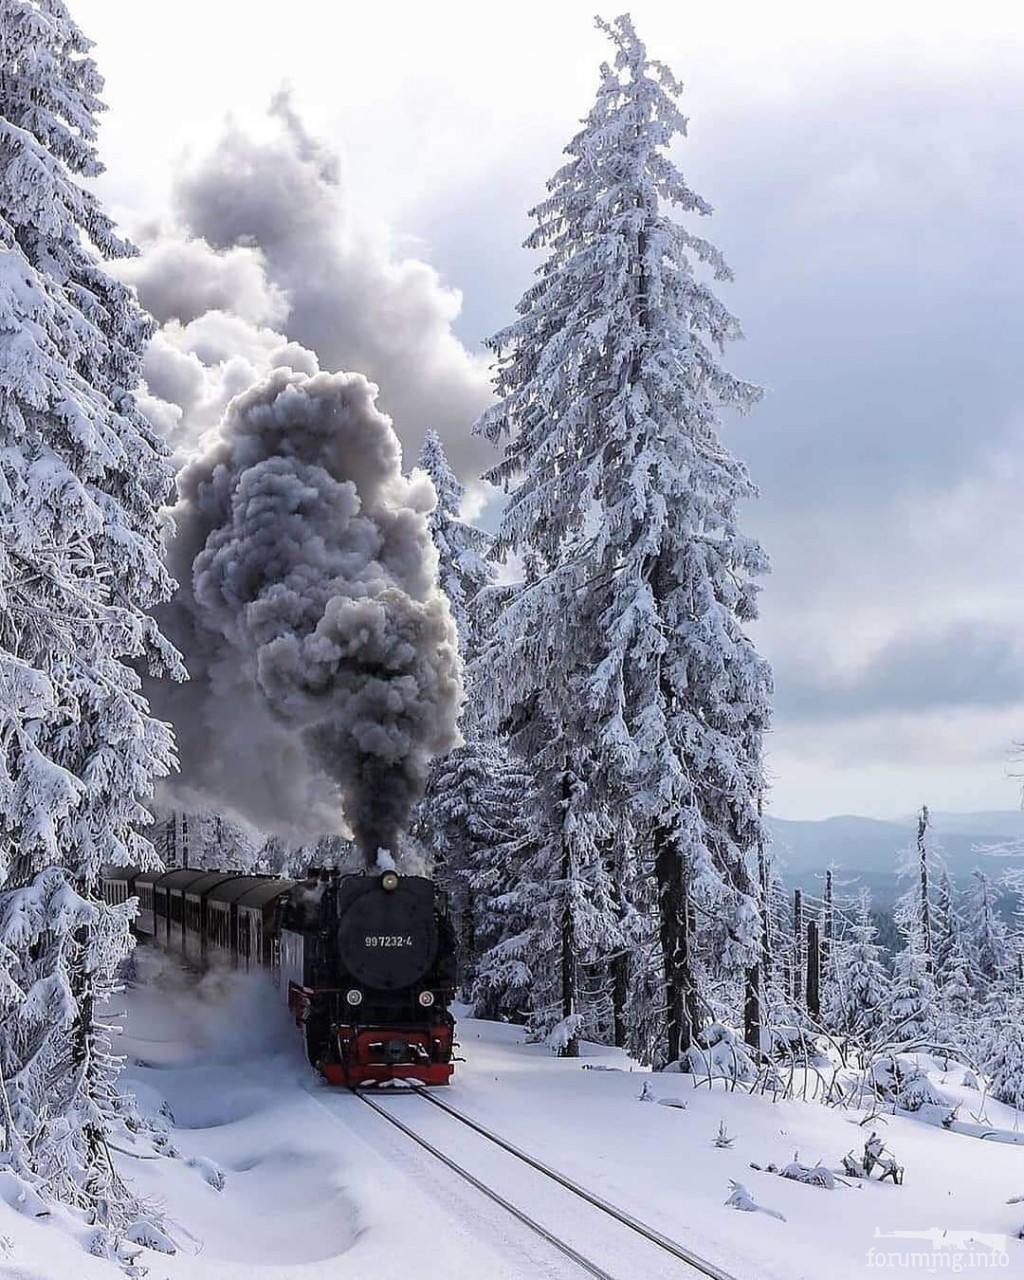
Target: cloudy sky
<point>867,172</point>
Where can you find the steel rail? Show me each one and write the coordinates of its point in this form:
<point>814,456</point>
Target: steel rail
<point>706,1268</point>
<point>591,1268</point>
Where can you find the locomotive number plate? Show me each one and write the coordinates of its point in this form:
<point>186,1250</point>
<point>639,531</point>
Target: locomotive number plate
<point>387,940</point>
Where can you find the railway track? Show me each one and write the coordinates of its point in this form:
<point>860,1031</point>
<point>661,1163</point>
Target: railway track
<point>691,1263</point>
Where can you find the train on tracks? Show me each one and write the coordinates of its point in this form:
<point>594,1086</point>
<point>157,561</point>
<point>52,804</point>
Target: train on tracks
<point>366,963</point>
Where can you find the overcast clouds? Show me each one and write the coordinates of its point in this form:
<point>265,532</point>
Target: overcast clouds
<point>867,171</point>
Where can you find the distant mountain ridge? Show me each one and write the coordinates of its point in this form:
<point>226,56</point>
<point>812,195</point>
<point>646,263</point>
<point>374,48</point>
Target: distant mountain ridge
<point>871,847</point>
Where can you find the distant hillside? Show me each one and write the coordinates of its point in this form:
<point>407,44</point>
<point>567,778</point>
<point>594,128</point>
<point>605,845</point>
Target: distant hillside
<point>871,849</point>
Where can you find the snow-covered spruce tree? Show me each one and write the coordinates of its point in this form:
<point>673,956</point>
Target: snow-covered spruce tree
<point>987,934</point>
<point>949,931</point>
<point>856,992</point>
<point>1003,1056</point>
<point>915,911</point>
<point>627,632</point>
<point>910,1011</point>
<point>81,478</point>
<point>53,1103</point>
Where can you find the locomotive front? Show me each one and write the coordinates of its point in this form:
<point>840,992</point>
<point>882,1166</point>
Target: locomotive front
<point>368,962</point>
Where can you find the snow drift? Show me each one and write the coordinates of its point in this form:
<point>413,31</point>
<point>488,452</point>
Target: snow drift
<point>323,655</point>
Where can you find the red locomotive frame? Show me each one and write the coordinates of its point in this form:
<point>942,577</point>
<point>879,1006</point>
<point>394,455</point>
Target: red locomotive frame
<point>378,1054</point>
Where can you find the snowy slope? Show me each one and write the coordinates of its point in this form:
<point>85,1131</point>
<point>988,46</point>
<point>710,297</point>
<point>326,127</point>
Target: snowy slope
<point>316,1185</point>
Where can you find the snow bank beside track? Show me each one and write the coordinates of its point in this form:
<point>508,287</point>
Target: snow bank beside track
<point>278,1184</point>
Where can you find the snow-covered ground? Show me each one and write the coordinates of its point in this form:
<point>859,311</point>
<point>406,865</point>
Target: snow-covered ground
<point>285,1179</point>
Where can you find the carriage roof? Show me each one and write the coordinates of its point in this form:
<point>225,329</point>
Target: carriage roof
<point>260,895</point>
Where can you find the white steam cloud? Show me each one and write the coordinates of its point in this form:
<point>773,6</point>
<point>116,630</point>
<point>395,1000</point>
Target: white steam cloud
<point>264,269</point>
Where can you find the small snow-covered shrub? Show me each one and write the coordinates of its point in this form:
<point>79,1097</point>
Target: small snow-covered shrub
<point>723,1139</point>
<point>789,1040</point>
<point>740,1198</point>
<point>564,1032</point>
<point>720,1054</point>
<point>147,1233</point>
<point>813,1175</point>
<point>900,1080</point>
<point>21,1195</point>
<point>211,1173</point>
<point>917,1091</point>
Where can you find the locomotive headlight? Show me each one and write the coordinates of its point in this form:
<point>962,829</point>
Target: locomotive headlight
<point>354,997</point>
<point>426,999</point>
<point>389,880</point>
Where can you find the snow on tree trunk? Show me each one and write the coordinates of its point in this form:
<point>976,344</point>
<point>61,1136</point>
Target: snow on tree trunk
<point>627,630</point>
<point>81,478</point>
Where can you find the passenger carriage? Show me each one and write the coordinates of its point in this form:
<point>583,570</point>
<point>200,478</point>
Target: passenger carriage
<point>170,897</point>
<point>194,946</point>
<point>256,942</point>
<point>222,917</point>
<point>144,889</point>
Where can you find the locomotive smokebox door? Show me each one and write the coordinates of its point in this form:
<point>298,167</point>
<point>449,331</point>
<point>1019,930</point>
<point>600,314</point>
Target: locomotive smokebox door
<point>387,937</point>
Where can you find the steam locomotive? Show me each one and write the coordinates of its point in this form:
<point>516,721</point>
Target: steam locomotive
<point>366,963</point>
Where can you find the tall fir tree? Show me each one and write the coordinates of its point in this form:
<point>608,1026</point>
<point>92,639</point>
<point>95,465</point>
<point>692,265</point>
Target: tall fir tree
<point>81,478</point>
<point>627,631</point>
<point>1002,1051</point>
<point>988,934</point>
<point>949,929</point>
<point>858,985</point>
<point>910,1008</point>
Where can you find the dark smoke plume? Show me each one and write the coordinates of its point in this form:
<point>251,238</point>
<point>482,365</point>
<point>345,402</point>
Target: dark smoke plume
<point>323,655</point>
